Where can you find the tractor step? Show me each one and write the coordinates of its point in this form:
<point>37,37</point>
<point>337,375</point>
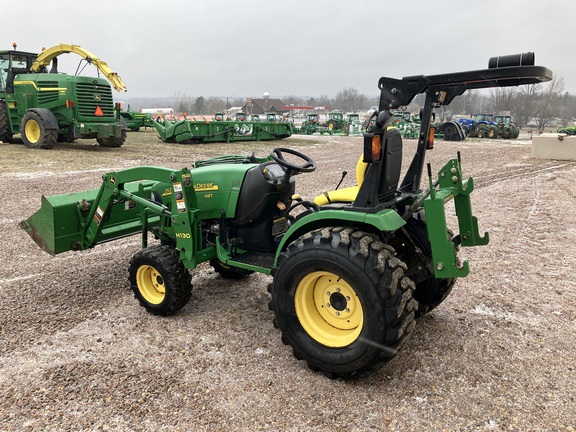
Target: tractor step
<point>258,259</point>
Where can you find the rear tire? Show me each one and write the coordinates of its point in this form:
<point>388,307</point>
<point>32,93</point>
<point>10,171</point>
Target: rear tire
<point>113,141</point>
<point>342,302</point>
<point>34,133</point>
<point>5,131</point>
<point>430,292</point>
<point>159,280</point>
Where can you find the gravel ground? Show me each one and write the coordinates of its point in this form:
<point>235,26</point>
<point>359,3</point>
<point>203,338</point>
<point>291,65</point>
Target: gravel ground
<point>78,352</point>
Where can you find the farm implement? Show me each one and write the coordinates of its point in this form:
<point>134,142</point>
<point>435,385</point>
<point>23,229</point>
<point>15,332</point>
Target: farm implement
<point>47,106</point>
<point>351,268</point>
<point>135,119</point>
<point>336,124</point>
<point>187,131</point>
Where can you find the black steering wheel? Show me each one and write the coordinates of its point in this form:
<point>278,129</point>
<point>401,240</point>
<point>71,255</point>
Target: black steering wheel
<point>278,156</point>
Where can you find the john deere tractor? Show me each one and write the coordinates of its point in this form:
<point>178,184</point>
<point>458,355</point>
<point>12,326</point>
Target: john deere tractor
<point>506,127</point>
<point>312,125</point>
<point>335,121</point>
<point>46,106</point>
<point>353,125</point>
<point>351,268</point>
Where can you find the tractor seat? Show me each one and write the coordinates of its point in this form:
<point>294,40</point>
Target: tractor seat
<point>383,179</point>
<point>345,195</point>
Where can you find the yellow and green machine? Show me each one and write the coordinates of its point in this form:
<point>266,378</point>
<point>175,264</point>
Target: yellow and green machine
<point>351,268</point>
<point>46,106</point>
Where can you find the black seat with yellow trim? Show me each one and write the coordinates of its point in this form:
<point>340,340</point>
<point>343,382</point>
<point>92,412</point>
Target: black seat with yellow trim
<point>377,170</point>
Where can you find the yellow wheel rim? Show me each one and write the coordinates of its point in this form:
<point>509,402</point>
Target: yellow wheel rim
<point>150,284</point>
<point>328,309</point>
<point>32,130</point>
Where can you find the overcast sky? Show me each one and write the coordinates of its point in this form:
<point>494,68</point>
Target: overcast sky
<point>293,47</point>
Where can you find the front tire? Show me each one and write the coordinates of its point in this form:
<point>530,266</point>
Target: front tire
<point>34,133</point>
<point>342,301</point>
<point>159,280</point>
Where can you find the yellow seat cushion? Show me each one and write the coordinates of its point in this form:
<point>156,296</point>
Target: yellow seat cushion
<point>340,195</point>
<point>346,195</point>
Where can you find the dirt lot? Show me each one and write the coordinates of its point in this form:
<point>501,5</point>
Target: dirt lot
<point>79,353</point>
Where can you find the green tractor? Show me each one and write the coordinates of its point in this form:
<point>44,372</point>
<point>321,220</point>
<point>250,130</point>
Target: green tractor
<point>568,130</point>
<point>353,125</point>
<point>312,125</point>
<point>335,121</point>
<point>506,128</point>
<point>403,120</point>
<point>351,269</point>
<point>46,107</point>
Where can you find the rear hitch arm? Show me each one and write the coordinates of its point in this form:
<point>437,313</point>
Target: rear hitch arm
<point>451,186</point>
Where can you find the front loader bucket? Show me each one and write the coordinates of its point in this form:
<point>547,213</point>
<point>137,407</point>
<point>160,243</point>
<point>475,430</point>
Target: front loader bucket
<point>81,220</point>
<point>58,225</point>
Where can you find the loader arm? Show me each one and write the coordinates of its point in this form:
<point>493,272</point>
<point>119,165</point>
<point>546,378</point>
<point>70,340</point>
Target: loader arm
<point>47,55</point>
<point>124,205</point>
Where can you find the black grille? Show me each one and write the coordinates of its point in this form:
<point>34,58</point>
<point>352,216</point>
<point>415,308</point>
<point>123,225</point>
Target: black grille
<point>47,84</point>
<point>89,96</point>
<point>47,91</point>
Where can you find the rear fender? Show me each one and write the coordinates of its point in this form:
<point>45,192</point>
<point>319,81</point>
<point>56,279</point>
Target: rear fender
<point>386,220</point>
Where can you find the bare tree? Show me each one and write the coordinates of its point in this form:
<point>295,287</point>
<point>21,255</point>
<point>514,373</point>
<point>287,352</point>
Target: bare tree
<point>199,105</point>
<point>567,109</point>
<point>294,100</point>
<point>350,99</point>
<point>525,105</point>
<point>502,99</point>
<point>214,104</point>
<point>547,107</point>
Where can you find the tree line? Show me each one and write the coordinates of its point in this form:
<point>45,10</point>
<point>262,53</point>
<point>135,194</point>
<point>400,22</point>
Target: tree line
<point>537,105</point>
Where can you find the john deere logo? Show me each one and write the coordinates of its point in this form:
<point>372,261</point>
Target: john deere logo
<point>112,179</point>
<point>97,97</point>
